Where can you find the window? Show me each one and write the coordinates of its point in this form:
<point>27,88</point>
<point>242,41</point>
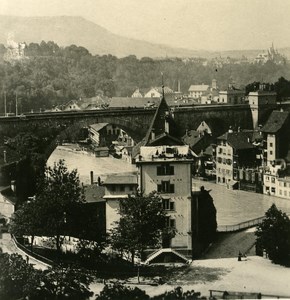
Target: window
<point>131,188</point>
<point>167,204</point>
<point>165,169</point>
<point>113,188</point>
<point>271,152</point>
<point>122,188</point>
<point>273,190</point>
<point>169,222</point>
<point>271,144</point>
<point>165,187</point>
<point>273,179</point>
<point>285,193</point>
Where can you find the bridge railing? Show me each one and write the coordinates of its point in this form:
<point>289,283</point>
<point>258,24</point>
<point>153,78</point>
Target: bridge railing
<point>240,226</point>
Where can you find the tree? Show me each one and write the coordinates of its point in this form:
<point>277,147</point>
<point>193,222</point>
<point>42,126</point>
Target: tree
<point>65,283</point>
<point>140,226</point>
<point>273,235</point>
<point>26,221</point>
<point>17,278</point>
<point>59,194</point>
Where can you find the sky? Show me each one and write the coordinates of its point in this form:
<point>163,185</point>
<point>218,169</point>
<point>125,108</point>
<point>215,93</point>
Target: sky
<point>193,24</point>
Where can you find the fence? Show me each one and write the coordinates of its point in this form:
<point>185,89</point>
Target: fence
<point>218,294</point>
<point>240,226</point>
<point>30,253</point>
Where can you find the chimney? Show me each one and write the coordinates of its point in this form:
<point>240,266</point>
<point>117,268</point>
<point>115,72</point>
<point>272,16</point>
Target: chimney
<point>178,86</point>
<point>92,177</point>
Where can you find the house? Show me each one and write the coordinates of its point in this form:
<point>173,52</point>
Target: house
<point>164,164</point>
<point>72,105</point>
<point>103,134</point>
<point>117,187</point>
<point>232,95</point>
<point>196,91</point>
<point>277,155</point>
<point>209,97</point>
<point>238,159</point>
<point>97,102</point>
<point>156,92</point>
<point>101,151</point>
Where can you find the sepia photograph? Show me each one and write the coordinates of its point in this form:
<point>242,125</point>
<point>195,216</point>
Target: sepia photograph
<point>144,149</point>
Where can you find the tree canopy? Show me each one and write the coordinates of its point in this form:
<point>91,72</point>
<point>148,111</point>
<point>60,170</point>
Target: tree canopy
<point>53,75</point>
<point>273,235</point>
<point>141,223</point>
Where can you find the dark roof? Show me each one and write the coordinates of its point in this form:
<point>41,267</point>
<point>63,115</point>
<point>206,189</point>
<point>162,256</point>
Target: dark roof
<point>121,179</point>
<point>197,142</point>
<point>238,140</point>
<point>98,126</point>
<point>158,126</point>
<point>276,121</point>
<point>94,193</point>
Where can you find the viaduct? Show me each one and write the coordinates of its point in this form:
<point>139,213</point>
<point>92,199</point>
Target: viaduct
<point>135,121</point>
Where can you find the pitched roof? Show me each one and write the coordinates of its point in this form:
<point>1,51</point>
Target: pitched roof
<point>198,88</point>
<point>238,140</point>
<point>276,121</point>
<point>158,126</point>
<point>119,102</point>
<point>121,179</point>
<point>98,126</point>
<point>197,142</point>
<point>94,193</point>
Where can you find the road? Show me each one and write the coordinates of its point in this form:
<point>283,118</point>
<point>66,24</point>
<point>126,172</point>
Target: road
<point>8,246</point>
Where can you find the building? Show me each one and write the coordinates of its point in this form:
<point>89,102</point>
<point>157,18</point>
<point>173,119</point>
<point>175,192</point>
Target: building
<point>239,159</point>
<point>156,92</point>
<point>117,187</point>
<point>277,155</point>
<point>232,96</point>
<point>164,165</point>
<point>14,50</point>
<point>272,55</point>
<point>264,96</point>
<point>196,91</point>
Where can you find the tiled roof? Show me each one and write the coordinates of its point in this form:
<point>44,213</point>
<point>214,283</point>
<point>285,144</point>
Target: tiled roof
<point>121,179</point>
<point>238,140</point>
<point>119,102</point>
<point>98,126</point>
<point>198,88</point>
<point>198,143</point>
<point>276,121</point>
<point>94,193</point>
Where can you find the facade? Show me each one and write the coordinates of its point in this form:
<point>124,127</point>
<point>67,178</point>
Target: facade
<point>156,92</point>
<point>232,96</point>
<point>117,187</point>
<point>165,165</point>
<point>196,91</point>
<point>277,156</point>
<point>239,159</point>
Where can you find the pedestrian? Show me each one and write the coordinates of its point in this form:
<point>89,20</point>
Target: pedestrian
<point>27,259</point>
<point>240,256</point>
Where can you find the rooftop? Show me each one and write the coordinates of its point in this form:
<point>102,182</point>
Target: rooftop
<point>276,121</point>
<point>238,140</point>
<point>94,193</point>
<point>198,88</point>
<point>137,102</point>
<point>98,126</point>
<point>121,179</point>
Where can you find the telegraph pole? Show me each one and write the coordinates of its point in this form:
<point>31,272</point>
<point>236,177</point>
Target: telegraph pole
<point>16,109</point>
<point>5,104</point>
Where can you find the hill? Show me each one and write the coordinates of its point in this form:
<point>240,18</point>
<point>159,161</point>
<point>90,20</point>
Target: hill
<point>68,30</point>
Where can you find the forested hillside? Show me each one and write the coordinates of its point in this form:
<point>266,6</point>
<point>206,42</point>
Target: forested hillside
<point>51,75</point>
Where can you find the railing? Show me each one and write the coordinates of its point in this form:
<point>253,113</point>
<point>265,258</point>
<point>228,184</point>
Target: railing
<point>240,226</point>
<point>218,294</point>
<point>32,254</point>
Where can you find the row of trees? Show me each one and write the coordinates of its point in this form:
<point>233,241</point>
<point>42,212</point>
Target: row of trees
<point>53,75</point>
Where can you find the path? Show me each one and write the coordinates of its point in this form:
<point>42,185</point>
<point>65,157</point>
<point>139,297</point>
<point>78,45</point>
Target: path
<point>8,246</point>
<point>229,244</point>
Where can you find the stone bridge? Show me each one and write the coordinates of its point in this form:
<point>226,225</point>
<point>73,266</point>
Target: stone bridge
<point>136,121</point>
